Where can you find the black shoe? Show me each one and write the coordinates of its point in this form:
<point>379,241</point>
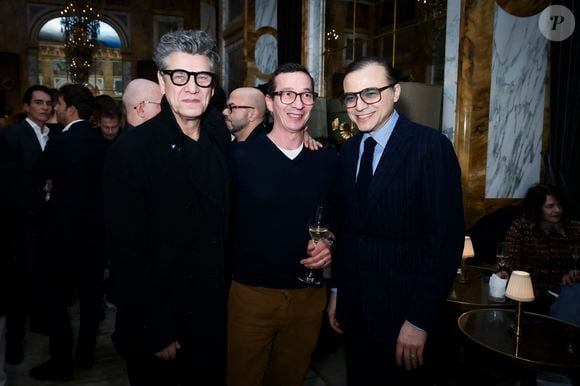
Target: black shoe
<point>14,354</point>
<point>53,370</point>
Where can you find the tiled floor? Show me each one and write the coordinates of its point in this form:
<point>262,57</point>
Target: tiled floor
<point>109,369</point>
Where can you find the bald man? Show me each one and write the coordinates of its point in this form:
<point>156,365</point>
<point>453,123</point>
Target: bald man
<point>244,113</point>
<point>142,101</point>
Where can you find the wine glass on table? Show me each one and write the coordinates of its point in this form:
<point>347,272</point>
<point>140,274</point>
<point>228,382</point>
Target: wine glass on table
<point>503,255</point>
<point>318,229</point>
<point>575,252</point>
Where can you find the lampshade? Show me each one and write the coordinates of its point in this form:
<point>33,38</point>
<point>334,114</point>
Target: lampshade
<point>468,248</point>
<point>519,287</point>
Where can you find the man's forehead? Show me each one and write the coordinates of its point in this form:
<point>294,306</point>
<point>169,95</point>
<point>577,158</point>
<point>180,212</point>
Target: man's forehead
<point>187,61</point>
<point>372,75</point>
<point>39,94</point>
<point>289,80</point>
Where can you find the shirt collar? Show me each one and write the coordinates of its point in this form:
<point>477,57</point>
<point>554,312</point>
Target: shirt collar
<point>383,134</point>
<point>42,130</point>
<point>70,124</point>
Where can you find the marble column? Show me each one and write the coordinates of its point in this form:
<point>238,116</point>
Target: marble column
<point>500,100</point>
<point>518,75</point>
<point>451,58</point>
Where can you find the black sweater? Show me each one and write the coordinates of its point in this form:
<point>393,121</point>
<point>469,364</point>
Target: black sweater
<point>273,198</point>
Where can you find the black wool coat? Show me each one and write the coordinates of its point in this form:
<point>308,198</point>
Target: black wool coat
<point>165,216</point>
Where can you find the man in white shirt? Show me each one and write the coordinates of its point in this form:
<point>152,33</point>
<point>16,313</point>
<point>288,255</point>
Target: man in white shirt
<point>25,141</point>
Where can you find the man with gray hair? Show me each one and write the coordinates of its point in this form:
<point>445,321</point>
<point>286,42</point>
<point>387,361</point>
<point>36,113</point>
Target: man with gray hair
<point>142,101</point>
<point>166,208</point>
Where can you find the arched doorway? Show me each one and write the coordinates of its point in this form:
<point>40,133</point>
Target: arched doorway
<point>107,72</point>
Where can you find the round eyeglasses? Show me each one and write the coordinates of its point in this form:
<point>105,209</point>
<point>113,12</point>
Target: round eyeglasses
<point>288,97</point>
<point>181,77</point>
<point>369,96</point>
<point>231,107</point>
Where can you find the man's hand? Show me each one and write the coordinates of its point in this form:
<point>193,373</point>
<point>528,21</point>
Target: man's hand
<point>410,345</point>
<point>570,278</point>
<point>319,255</point>
<point>309,142</point>
<point>169,352</point>
<point>331,310</point>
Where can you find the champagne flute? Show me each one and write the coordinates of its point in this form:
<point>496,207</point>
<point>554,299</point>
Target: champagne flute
<point>318,230</point>
<point>502,255</point>
<point>575,251</point>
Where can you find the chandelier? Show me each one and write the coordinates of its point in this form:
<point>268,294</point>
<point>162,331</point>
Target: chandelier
<point>80,26</point>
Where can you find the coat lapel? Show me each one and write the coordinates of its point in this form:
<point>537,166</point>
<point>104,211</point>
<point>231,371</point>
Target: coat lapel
<point>391,160</point>
<point>30,138</point>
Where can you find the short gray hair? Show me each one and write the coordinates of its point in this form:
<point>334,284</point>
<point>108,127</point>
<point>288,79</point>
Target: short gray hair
<point>189,42</point>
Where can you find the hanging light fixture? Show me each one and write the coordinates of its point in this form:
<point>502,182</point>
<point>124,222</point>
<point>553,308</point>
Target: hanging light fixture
<point>80,26</point>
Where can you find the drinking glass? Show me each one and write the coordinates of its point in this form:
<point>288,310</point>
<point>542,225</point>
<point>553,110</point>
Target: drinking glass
<point>318,229</point>
<point>575,252</point>
<point>503,255</point>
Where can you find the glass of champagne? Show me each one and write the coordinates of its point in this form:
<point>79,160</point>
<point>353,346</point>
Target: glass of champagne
<point>502,255</point>
<point>575,252</point>
<point>318,229</point>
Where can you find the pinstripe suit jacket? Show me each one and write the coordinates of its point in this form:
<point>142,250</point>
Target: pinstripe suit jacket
<point>397,256</point>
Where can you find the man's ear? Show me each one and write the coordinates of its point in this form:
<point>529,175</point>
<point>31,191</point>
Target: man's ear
<point>396,92</point>
<point>140,109</point>
<point>269,103</point>
<point>161,82</point>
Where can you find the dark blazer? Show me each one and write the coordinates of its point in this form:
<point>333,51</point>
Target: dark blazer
<point>74,161</point>
<point>26,152</point>
<point>166,216</point>
<point>398,255</point>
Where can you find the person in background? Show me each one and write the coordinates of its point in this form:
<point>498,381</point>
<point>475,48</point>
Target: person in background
<point>26,142</point>
<point>107,116</point>
<point>141,101</point>
<point>244,113</point>
<point>400,235</point>
<point>541,242</point>
<point>52,123</point>
<point>74,161</point>
<point>277,184</point>
<point>166,213</point>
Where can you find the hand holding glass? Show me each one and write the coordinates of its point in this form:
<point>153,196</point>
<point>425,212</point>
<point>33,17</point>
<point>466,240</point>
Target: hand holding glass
<point>318,229</point>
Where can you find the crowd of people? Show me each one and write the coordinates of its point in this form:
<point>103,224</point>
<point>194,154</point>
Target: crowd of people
<point>201,212</point>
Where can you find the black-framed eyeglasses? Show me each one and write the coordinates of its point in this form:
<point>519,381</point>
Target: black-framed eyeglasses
<point>146,103</point>
<point>288,97</point>
<point>180,77</point>
<point>231,107</point>
<point>369,96</point>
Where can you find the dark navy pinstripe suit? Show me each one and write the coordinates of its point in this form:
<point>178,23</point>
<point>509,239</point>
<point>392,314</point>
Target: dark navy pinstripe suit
<point>397,256</point>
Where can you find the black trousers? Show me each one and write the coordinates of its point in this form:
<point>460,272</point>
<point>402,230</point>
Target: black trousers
<point>24,277</point>
<point>372,362</point>
<point>76,269</point>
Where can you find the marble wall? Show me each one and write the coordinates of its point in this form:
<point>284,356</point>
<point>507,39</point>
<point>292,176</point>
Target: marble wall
<point>315,42</point>
<point>501,107</point>
<point>266,14</point>
<point>518,74</point>
<point>451,58</point>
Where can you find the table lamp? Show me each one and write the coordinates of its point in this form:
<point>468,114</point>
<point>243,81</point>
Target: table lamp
<point>467,252</point>
<point>520,289</point>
